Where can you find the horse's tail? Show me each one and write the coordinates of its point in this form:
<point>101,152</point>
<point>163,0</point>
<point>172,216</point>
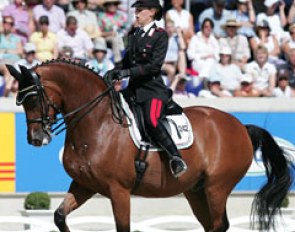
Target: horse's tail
<point>267,201</point>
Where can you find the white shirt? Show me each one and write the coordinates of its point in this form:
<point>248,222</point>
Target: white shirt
<point>278,92</point>
<point>239,46</point>
<point>208,94</point>
<point>261,76</point>
<point>80,42</point>
<point>230,75</point>
<point>147,27</point>
<point>199,47</point>
<point>84,18</point>
<point>180,19</point>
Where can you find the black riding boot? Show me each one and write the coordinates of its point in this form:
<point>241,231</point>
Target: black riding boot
<point>164,140</point>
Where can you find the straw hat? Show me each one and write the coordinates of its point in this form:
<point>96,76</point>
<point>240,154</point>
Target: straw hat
<point>100,45</point>
<point>246,78</point>
<point>269,3</point>
<point>29,47</point>
<point>225,50</point>
<point>231,23</point>
<point>262,23</point>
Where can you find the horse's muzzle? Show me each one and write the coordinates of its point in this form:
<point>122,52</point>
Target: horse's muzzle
<point>39,138</point>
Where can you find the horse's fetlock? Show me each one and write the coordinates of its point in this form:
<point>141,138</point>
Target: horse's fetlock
<point>59,219</point>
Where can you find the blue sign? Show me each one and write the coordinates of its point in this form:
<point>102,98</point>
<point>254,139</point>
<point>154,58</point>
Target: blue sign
<point>40,169</point>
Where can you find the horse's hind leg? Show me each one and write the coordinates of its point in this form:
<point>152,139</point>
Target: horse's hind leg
<point>199,204</point>
<point>76,196</point>
<point>217,198</point>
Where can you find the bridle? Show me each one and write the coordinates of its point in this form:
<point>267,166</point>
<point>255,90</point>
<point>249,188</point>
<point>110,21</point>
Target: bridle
<point>37,89</point>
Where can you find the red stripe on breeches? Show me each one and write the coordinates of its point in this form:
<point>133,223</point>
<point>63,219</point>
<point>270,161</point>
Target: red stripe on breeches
<point>155,112</point>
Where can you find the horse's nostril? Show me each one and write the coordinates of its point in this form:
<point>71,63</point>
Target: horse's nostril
<point>36,142</point>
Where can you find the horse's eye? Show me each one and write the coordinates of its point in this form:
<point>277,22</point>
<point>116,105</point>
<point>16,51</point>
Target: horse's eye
<point>32,102</point>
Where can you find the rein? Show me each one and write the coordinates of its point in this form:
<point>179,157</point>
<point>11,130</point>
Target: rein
<point>91,104</point>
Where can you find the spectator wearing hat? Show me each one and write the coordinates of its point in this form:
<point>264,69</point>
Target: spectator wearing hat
<point>87,19</point>
<point>44,40</point>
<point>11,48</point>
<point>29,59</point>
<point>246,88</point>
<point>229,73</point>
<point>75,38</point>
<point>266,39</point>
<point>283,88</point>
<point>290,66</point>
<point>175,60</point>
<point>178,86</point>
<point>238,43</point>
<point>113,25</point>
<point>262,72</point>
<point>276,18</point>
<point>218,14</point>
<point>55,14</point>
<point>182,19</point>
<point>203,49</point>
<point>100,63</point>
<point>214,89</point>
<point>245,15</point>
<point>23,20</point>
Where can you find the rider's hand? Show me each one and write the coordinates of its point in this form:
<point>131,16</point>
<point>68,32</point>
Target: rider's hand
<point>116,74</point>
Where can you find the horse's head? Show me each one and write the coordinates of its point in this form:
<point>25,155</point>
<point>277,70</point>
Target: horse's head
<point>39,108</point>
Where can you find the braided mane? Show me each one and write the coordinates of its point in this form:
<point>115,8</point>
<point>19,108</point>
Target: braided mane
<point>66,61</point>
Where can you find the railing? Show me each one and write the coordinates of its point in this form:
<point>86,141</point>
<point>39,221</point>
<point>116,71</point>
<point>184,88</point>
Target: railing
<point>159,224</point>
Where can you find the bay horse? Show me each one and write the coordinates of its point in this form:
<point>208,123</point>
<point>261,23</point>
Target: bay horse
<point>99,153</point>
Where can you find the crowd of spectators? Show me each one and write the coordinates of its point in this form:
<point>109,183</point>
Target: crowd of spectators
<point>218,48</point>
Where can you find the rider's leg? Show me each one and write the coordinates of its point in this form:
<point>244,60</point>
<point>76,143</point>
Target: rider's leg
<point>153,111</point>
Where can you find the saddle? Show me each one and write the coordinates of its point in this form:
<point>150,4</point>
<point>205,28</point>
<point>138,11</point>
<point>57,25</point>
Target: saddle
<point>176,123</point>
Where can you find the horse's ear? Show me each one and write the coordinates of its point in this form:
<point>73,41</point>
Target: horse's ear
<point>16,74</point>
<point>26,72</point>
<point>30,75</point>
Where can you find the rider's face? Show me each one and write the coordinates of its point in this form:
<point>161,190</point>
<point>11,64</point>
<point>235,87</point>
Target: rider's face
<point>144,15</point>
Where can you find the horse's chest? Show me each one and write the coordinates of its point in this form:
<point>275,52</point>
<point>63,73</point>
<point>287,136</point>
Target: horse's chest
<point>76,162</point>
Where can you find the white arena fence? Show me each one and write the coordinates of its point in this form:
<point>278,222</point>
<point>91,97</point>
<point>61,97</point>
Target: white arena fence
<point>158,224</point>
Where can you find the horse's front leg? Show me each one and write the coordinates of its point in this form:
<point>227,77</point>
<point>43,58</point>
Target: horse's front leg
<point>120,199</point>
<point>76,196</point>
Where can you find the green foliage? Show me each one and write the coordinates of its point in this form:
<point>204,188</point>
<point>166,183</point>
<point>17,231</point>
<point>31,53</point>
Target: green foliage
<point>285,202</point>
<point>37,200</point>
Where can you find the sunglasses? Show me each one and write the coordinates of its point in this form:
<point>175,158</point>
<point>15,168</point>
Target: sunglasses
<point>8,22</point>
<point>283,78</point>
<point>292,32</point>
<point>245,83</point>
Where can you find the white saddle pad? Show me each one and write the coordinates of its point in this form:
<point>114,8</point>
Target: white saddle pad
<point>182,135</point>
